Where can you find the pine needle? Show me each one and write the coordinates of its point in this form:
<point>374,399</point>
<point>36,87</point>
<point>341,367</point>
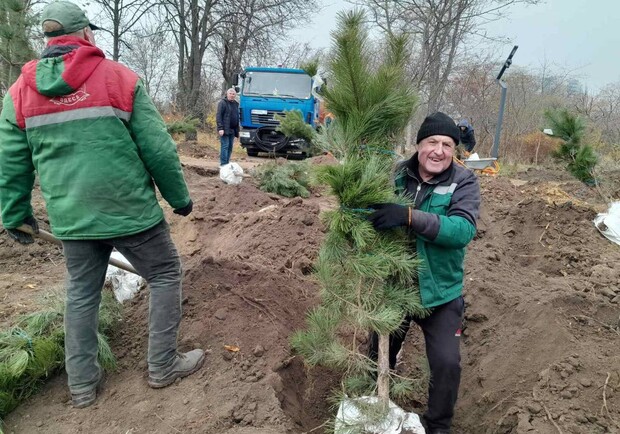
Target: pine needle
<point>33,351</point>
<point>289,179</point>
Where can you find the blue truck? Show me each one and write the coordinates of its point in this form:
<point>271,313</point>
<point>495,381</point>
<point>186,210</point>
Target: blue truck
<point>267,92</point>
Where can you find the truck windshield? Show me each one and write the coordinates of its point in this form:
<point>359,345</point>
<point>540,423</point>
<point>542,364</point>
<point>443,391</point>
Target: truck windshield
<point>277,84</point>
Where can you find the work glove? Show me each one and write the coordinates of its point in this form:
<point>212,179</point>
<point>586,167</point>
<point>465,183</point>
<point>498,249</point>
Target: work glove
<point>186,210</point>
<point>23,237</point>
<point>389,215</point>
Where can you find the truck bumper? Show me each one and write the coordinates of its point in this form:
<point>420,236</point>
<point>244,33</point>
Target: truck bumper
<point>247,138</point>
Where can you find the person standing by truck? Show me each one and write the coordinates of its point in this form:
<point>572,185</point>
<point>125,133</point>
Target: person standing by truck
<point>86,125</point>
<point>227,120</point>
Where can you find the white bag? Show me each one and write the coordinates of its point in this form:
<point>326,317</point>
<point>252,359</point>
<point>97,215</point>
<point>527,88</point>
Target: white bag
<point>397,420</point>
<point>231,173</point>
<point>124,284</point>
<point>609,223</point>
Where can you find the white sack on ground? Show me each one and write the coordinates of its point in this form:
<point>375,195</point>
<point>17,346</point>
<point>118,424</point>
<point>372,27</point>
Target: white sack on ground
<point>231,173</point>
<point>397,420</point>
<point>124,284</point>
<point>609,223</point>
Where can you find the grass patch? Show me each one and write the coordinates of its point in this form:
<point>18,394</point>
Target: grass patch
<point>32,350</point>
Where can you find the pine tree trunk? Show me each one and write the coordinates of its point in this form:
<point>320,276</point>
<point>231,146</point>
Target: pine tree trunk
<point>383,379</point>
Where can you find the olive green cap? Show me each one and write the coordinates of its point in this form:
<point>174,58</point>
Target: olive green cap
<point>68,15</point>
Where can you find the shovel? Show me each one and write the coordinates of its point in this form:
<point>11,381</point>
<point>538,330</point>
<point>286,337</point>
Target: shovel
<point>44,235</point>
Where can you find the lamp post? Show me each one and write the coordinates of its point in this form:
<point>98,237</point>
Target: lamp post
<point>502,103</point>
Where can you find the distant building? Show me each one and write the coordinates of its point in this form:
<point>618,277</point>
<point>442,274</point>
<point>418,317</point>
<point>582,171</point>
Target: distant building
<point>574,87</point>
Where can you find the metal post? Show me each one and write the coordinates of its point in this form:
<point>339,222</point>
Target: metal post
<point>500,118</point>
<point>502,103</point>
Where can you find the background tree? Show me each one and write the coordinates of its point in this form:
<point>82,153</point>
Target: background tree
<point>580,157</point>
<point>255,26</point>
<point>439,29</point>
<point>120,17</point>
<point>151,56</point>
<point>290,54</point>
<point>16,21</point>
<point>193,24</point>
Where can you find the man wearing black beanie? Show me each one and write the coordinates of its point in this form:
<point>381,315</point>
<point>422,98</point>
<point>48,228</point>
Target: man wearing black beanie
<point>440,224</point>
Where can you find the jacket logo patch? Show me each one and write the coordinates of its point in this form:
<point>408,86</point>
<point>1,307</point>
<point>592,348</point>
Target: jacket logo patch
<point>71,99</point>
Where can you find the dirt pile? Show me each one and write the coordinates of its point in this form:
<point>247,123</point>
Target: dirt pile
<point>542,315</point>
<point>541,337</point>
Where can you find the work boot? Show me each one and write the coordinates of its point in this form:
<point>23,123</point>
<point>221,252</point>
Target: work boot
<point>185,364</point>
<point>86,399</point>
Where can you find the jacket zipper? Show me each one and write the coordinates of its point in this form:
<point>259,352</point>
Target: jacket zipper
<point>417,190</point>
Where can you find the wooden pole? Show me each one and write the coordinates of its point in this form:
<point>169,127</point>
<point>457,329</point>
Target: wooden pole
<point>383,377</point>
<point>44,235</point>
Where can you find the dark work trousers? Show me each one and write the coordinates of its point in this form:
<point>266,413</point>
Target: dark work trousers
<point>442,335</point>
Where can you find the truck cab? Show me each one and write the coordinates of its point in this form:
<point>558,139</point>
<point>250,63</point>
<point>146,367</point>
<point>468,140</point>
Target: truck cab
<point>266,92</point>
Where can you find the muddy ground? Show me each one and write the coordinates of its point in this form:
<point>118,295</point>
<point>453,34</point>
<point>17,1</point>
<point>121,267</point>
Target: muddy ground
<point>541,346</point>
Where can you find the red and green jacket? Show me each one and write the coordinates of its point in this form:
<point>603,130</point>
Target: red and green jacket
<point>86,126</point>
<point>443,223</point>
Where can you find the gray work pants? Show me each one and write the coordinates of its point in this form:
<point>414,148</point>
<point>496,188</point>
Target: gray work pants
<point>153,254</point>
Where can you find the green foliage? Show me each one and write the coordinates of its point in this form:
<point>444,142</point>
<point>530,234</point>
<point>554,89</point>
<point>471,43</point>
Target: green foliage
<point>33,350</point>
<point>582,165</point>
<point>370,106</point>
<point>580,158</point>
<point>367,278</point>
<point>289,179</point>
<point>565,125</point>
<point>311,67</point>
<point>292,125</point>
<point>187,125</point>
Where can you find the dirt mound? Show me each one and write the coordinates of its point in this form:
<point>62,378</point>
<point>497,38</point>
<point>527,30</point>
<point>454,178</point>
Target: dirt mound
<point>540,342</point>
<point>26,271</point>
<point>542,316</point>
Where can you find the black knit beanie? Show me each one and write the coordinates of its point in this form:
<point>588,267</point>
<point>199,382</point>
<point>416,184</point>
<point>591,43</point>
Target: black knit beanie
<point>439,124</point>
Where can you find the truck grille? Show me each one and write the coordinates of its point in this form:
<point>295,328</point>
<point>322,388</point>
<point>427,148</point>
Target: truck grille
<point>267,119</point>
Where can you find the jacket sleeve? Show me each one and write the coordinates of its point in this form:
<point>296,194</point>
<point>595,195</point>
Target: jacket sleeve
<point>458,227</point>
<point>16,169</point>
<point>219,116</point>
<point>157,149</point>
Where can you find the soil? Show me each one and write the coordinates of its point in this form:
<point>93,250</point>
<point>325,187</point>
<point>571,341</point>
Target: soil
<point>541,349</point>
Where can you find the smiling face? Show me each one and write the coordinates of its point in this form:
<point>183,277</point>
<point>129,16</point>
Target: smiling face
<point>435,155</point>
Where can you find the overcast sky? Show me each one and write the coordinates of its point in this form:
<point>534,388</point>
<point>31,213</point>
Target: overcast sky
<point>570,35</point>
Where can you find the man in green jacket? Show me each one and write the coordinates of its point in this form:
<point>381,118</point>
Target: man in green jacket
<point>441,223</point>
<point>86,126</point>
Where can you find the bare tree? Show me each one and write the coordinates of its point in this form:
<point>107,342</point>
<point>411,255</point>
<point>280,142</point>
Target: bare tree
<point>291,54</point>
<point>606,112</point>
<point>151,55</point>
<point>121,16</point>
<point>255,26</point>
<point>438,29</point>
<point>193,24</point>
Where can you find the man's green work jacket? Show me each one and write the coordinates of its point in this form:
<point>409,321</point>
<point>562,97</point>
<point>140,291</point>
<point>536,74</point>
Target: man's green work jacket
<point>443,223</point>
